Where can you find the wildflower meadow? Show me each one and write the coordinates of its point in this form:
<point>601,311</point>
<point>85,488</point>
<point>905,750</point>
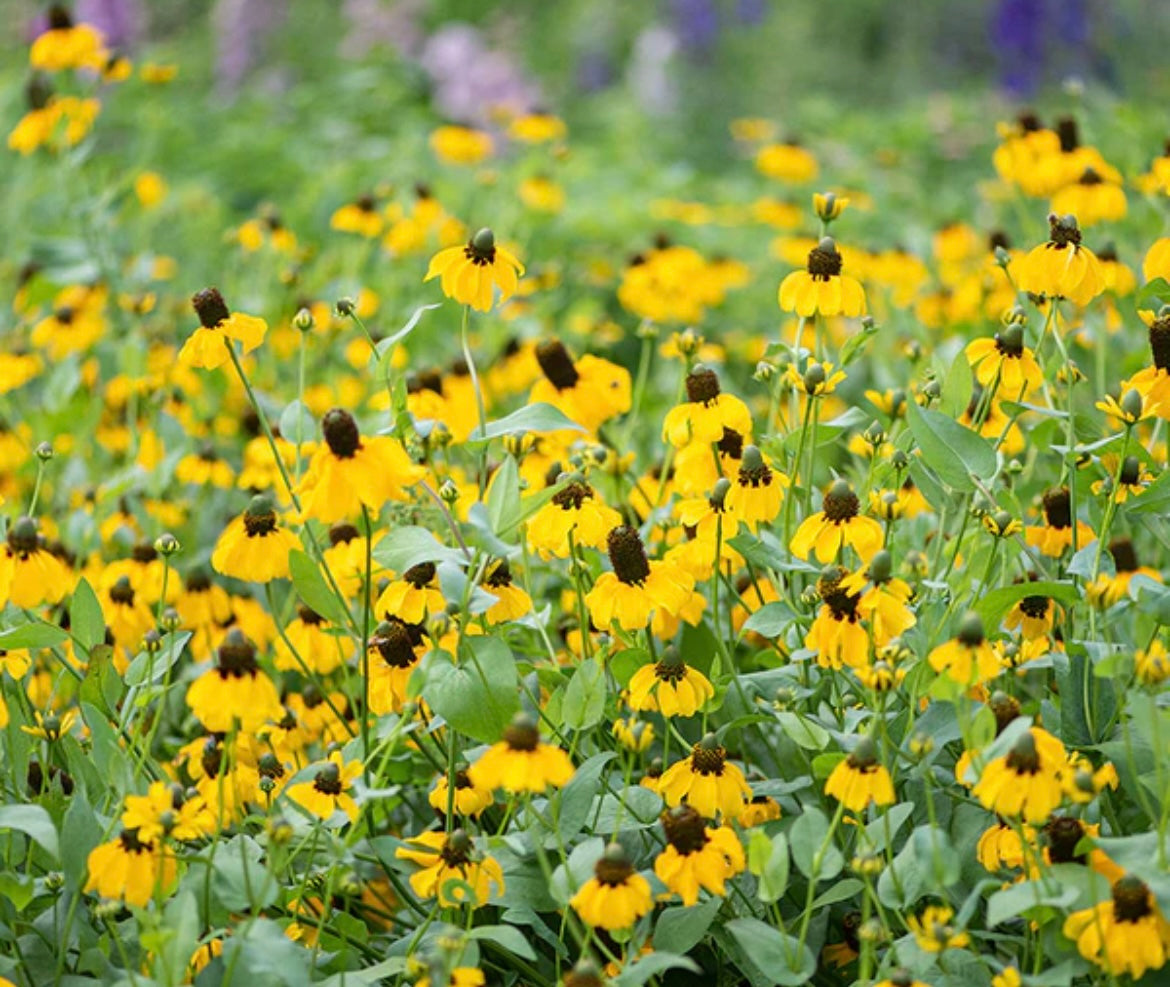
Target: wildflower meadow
<point>452,547</point>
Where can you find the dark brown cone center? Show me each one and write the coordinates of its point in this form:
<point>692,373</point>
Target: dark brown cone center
<point>259,525</point>
<point>824,264</point>
<point>395,646</point>
<point>1160,343</point>
<point>708,761</point>
<point>420,575</point>
<point>1058,508</point>
<point>702,386</point>
<point>341,433</point>
<point>685,829</point>
<point>571,497</point>
<point>841,507</point>
<point>1035,607</point>
<point>1064,834</point>
<point>1124,555</point>
<point>1131,900</point>
<point>628,556</point>
<point>210,307</point>
<point>613,872</point>
<point>556,364</point>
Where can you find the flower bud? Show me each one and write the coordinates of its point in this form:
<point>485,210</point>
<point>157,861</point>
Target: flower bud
<point>304,320</point>
<point>44,452</point>
<point>167,544</point>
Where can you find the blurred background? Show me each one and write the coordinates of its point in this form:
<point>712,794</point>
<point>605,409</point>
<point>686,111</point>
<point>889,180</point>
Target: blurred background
<point>691,64</point>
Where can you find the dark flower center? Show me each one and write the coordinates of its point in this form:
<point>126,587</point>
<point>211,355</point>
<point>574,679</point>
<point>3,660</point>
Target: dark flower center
<point>259,525</point>
<point>420,575</point>
<point>627,555</point>
<point>522,736</point>
<point>501,575</point>
<point>236,656</point>
<point>59,19</point>
<point>341,433</point>
<point>328,780</point>
<point>1010,344</point>
<point>394,645</point>
<point>997,239</point>
<point>613,872</point>
<point>685,829</point>
<point>731,443</point>
<point>1090,177</point>
<point>556,364</point>
<point>342,534</point>
<point>824,264</point>
<point>841,506</point>
<point>210,307</point>
<point>132,844</point>
<point>1062,233</point>
<point>1058,508</point>
<point>1064,834</point>
<point>1131,471</point>
<point>1131,899</point>
<point>1005,708</point>
<point>198,581</point>
<point>22,536</point>
<point>122,592</point>
<point>1160,343</point>
<point>1066,130</point>
<point>708,760</point>
<point>702,385</point>
<point>308,616</point>
<point>670,671</point>
<point>1124,555</point>
<point>1035,607</point>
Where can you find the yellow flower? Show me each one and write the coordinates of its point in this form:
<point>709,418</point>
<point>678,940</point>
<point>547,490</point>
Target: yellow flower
<point>537,128</point>
<point>360,216</point>
<point>590,391</point>
<point>706,781</point>
<point>1056,535</point>
<point>761,809</point>
<point>968,658</point>
<point>461,976</point>
<point>541,194</point>
<point>616,896</point>
<point>29,574</point>
<point>933,931</point>
<point>757,490</point>
<point>637,587</point>
<point>329,791</point>
<point>828,205</point>
<point>706,413</point>
<point>165,811</point>
<point>67,45</point>
<point>348,471</point>
<point>1091,198</point>
<point>1027,781</point>
<point>129,869</point>
<point>207,347</point>
<point>460,145</point>
<point>395,650</point>
<point>414,597</point>
<point>512,602</point>
<point>817,379</point>
<point>669,686</point>
<point>787,162</point>
<point>574,510</point>
<point>838,525</point>
<point>1152,664</point>
<point>860,779</point>
<point>1000,848</point>
<point>150,188</point>
<point>696,856</point>
<point>234,689</point>
<point>451,870</point>
<point>1125,934</point>
<point>253,547</point>
<point>521,762</point>
<point>470,800</point>
<point>308,637</point>
<point>822,288</point>
<point>1062,267</point>
<point>468,273</point>
<point>1007,360</point>
<point>837,635</point>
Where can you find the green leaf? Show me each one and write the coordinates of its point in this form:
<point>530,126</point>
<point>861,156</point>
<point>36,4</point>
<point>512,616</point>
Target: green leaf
<point>296,415</point>
<point>506,936</point>
<point>80,833</point>
<point>150,666</point>
<point>539,417</point>
<point>806,836</point>
<point>35,634</point>
<point>957,387</point>
<point>856,344</point>
<point>314,590</point>
<point>86,623</point>
<point>503,494</point>
<point>16,889</point>
<point>411,544</point>
<point>1021,899</point>
<point>1152,295</point>
<point>102,686</point>
<point>995,604</point>
<point>387,343</point>
<point>768,860</point>
<point>839,891</point>
<point>35,822</point>
<point>584,700</point>
<point>575,804</point>
<point>780,958</point>
<point>479,696</point>
<point>680,929</point>
<point>238,876</point>
<point>771,620</point>
<point>638,972</point>
<point>803,731</point>
<point>953,450</point>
